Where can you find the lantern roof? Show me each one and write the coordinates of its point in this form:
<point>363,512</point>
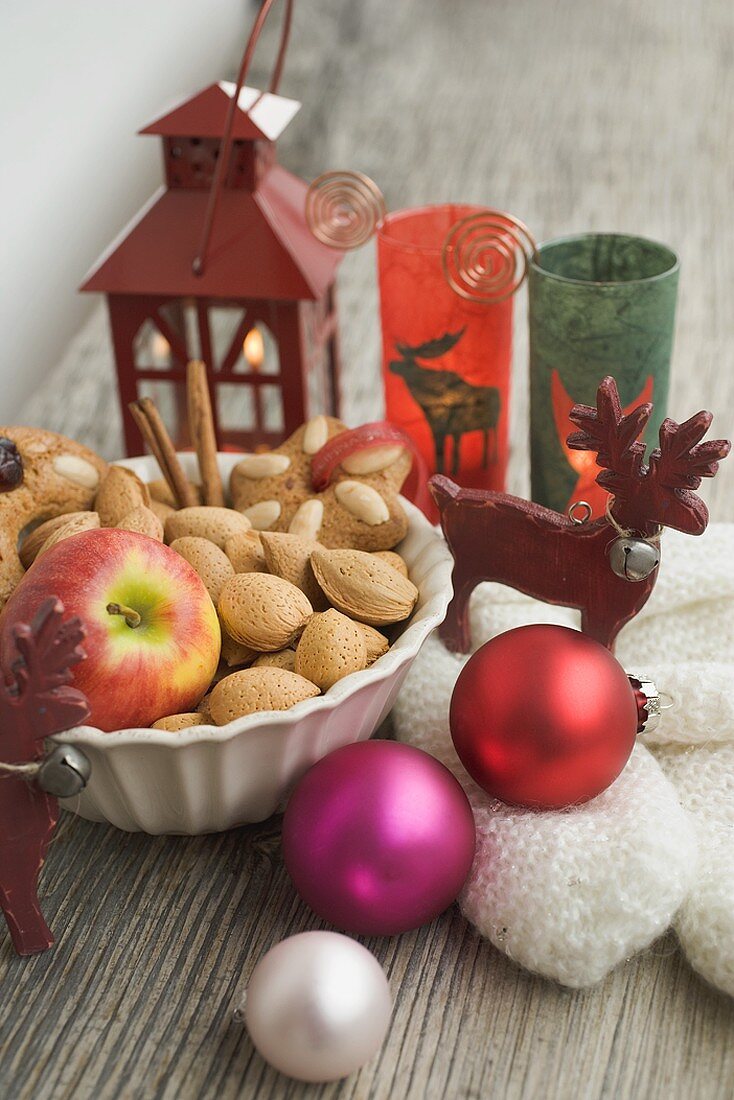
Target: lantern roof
<point>261,246</point>
<point>259,115</point>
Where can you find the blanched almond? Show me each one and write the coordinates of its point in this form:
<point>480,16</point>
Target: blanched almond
<point>282,658</point>
<point>256,689</point>
<point>119,494</point>
<point>372,459</point>
<point>211,563</point>
<point>289,557</point>
<point>307,521</point>
<point>83,521</point>
<point>77,470</point>
<point>176,722</point>
<point>263,514</point>
<point>315,435</point>
<point>201,521</point>
<point>331,647</point>
<point>246,553</point>
<point>364,587</point>
<point>262,611</point>
<point>33,541</point>
<point>392,559</point>
<point>144,521</point>
<point>363,502</point>
<point>376,643</point>
<point>258,466</point>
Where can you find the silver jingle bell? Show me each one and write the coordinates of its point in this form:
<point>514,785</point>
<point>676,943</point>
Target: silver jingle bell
<point>64,771</point>
<point>634,559</point>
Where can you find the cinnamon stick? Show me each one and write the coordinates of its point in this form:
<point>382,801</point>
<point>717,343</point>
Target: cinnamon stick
<point>203,435</point>
<point>153,431</point>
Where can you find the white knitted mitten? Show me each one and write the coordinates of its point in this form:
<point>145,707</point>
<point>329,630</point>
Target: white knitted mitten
<point>570,894</point>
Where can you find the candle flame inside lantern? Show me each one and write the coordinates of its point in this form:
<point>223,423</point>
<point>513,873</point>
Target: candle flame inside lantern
<point>160,348</point>
<point>253,348</point>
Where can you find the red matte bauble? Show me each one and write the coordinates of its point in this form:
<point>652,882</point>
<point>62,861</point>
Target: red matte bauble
<point>543,716</point>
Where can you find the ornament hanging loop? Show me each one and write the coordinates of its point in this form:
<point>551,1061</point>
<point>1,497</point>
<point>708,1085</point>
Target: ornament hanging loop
<point>486,255</point>
<point>649,702</point>
<point>580,512</point>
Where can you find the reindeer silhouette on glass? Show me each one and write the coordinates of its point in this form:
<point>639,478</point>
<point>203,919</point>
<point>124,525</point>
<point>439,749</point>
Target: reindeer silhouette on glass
<point>547,555</point>
<point>451,405</point>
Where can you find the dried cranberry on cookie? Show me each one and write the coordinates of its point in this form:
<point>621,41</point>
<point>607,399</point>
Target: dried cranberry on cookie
<point>359,509</point>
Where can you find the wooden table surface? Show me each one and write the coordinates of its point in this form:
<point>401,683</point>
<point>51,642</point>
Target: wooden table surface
<point>575,114</point>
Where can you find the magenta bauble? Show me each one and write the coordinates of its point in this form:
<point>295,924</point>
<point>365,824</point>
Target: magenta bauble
<point>543,716</point>
<point>378,838</point>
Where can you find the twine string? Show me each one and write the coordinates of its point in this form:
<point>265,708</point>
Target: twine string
<point>22,771</point>
<point>625,532</point>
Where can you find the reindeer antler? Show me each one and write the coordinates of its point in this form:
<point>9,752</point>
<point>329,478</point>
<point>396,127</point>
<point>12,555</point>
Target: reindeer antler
<point>47,650</point>
<point>432,349</point>
<point>658,494</point>
<point>677,467</point>
<point>36,701</point>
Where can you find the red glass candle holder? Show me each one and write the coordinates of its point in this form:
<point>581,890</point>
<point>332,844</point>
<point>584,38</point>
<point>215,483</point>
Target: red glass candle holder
<point>446,359</point>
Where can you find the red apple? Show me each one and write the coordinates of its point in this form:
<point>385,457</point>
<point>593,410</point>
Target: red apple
<point>153,636</point>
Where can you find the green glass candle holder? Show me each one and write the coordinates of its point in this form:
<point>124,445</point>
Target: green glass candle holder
<point>599,303</point>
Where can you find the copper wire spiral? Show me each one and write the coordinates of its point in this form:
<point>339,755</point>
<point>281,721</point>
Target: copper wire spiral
<point>343,209</point>
<point>485,256</point>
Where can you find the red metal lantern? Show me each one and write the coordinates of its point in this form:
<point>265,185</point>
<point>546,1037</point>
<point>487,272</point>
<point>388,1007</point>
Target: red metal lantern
<point>220,265</point>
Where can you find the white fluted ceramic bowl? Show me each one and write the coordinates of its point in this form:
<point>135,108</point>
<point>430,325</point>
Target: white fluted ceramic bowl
<point>210,778</point>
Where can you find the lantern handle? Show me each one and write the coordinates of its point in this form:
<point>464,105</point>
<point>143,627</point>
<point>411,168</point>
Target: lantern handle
<point>220,167</point>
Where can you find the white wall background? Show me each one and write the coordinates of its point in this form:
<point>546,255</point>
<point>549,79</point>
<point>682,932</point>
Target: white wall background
<point>78,78</point>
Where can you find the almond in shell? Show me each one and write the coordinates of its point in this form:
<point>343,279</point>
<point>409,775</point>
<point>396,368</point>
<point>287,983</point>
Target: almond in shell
<point>35,539</point>
<point>163,511</point>
<point>282,658</point>
<point>289,556</point>
<point>83,521</point>
<point>256,689</point>
<point>211,563</point>
<point>245,551</point>
<point>206,718</point>
<point>262,611</point>
<point>331,647</point>
<point>120,492</point>
<point>235,654</point>
<point>206,522</point>
<point>160,490</point>
<point>363,587</point>
<point>144,521</point>
<point>173,723</point>
<point>376,643</point>
<point>392,559</point>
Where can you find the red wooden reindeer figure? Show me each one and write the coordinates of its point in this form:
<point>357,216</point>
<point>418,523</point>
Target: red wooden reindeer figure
<point>36,702</point>
<point>606,568</point>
